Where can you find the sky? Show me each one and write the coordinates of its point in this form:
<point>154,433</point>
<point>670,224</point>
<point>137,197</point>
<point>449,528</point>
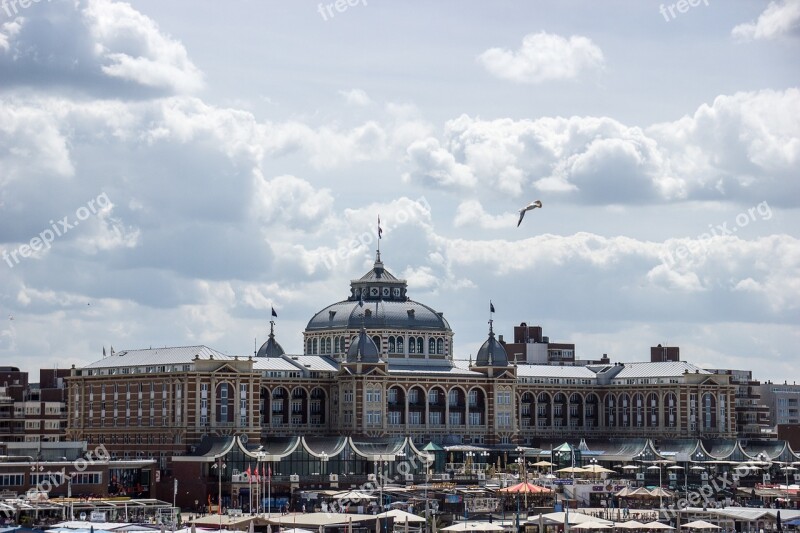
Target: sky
<point>172,170</point>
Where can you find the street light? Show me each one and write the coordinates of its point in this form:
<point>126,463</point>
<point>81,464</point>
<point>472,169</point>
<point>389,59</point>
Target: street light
<point>428,460</point>
<point>219,466</point>
<point>323,458</point>
<point>468,462</point>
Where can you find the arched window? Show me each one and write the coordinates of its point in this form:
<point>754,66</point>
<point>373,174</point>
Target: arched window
<point>391,345</point>
<point>420,345</point>
<point>400,347</point>
<point>412,345</point>
<point>308,346</point>
<point>431,345</point>
<point>314,347</point>
<point>328,345</point>
<point>377,341</point>
<point>440,346</point>
<point>336,347</point>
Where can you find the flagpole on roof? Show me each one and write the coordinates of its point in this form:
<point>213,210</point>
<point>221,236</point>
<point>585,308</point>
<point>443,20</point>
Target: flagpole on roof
<point>380,236</point>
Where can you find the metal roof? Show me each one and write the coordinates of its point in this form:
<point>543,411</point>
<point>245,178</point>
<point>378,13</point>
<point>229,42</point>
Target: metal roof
<point>350,314</point>
<point>432,369</point>
<point>552,371</point>
<point>658,370</point>
<point>273,363</point>
<point>158,356</point>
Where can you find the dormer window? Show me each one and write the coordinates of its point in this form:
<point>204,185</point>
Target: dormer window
<point>331,314</point>
<point>410,313</point>
<point>367,313</point>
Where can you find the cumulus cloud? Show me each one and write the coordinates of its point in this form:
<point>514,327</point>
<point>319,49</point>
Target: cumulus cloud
<point>780,19</point>
<point>543,57</point>
<point>357,97</point>
<point>97,47</point>
<point>741,148</point>
<point>471,213</point>
<point>436,165</point>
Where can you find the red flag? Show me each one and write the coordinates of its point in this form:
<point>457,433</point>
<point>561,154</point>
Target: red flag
<point>249,475</point>
<point>269,472</point>
<point>256,473</point>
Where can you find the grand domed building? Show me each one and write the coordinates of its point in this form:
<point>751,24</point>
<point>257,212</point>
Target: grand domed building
<point>378,377</point>
<point>404,331</point>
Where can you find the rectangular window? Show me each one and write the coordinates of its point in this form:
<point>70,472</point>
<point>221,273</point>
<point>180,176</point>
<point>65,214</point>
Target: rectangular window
<point>394,417</point>
<point>455,419</point>
<point>473,398</point>
<point>87,478</point>
<point>12,480</point>
<point>415,418</point>
<point>475,419</point>
<point>433,396</point>
<point>435,418</point>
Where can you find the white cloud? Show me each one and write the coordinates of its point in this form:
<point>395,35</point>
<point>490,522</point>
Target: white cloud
<point>781,18</point>
<point>357,97</point>
<point>135,49</point>
<point>543,57</point>
<point>742,148</point>
<point>291,201</point>
<point>471,213</point>
<point>435,164</point>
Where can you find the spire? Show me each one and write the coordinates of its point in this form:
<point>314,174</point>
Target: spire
<point>271,348</point>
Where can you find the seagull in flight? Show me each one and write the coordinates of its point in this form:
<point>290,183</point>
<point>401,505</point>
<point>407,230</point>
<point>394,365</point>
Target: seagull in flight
<point>530,206</point>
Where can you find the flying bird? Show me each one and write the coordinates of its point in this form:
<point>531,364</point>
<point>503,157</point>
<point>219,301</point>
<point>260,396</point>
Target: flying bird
<point>530,206</point>
<point>11,317</point>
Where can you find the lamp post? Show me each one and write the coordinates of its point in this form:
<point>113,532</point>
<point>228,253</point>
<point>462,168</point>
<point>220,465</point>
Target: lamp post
<point>428,460</point>
<point>323,458</point>
<point>593,462</point>
<point>468,462</point>
<point>219,466</point>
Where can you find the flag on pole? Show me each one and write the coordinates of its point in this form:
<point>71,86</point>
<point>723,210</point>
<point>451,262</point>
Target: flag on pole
<point>256,473</point>
<point>491,307</point>
<point>104,351</point>
<point>248,473</point>
<point>380,231</point>
<point>274,313</point>
<point>269,472</point>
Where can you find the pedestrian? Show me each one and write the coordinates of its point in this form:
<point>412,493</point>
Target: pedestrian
<point>304,508</point>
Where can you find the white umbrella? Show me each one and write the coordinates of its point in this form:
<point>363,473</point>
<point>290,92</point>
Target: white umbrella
<point>591,525</point>
<point>473,526</point>
<point>657,525</point>
<point>400,515</point>
<point>674,467</point>
<point>631,524</point>
<point>597,469</point>
<point>630,467</point>
<point>701,524</point>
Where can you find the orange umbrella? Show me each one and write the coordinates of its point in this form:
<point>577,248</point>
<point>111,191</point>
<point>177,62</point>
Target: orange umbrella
<point>526,487</point>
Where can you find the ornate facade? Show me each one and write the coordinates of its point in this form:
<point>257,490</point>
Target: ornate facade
<point>379,364</point>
